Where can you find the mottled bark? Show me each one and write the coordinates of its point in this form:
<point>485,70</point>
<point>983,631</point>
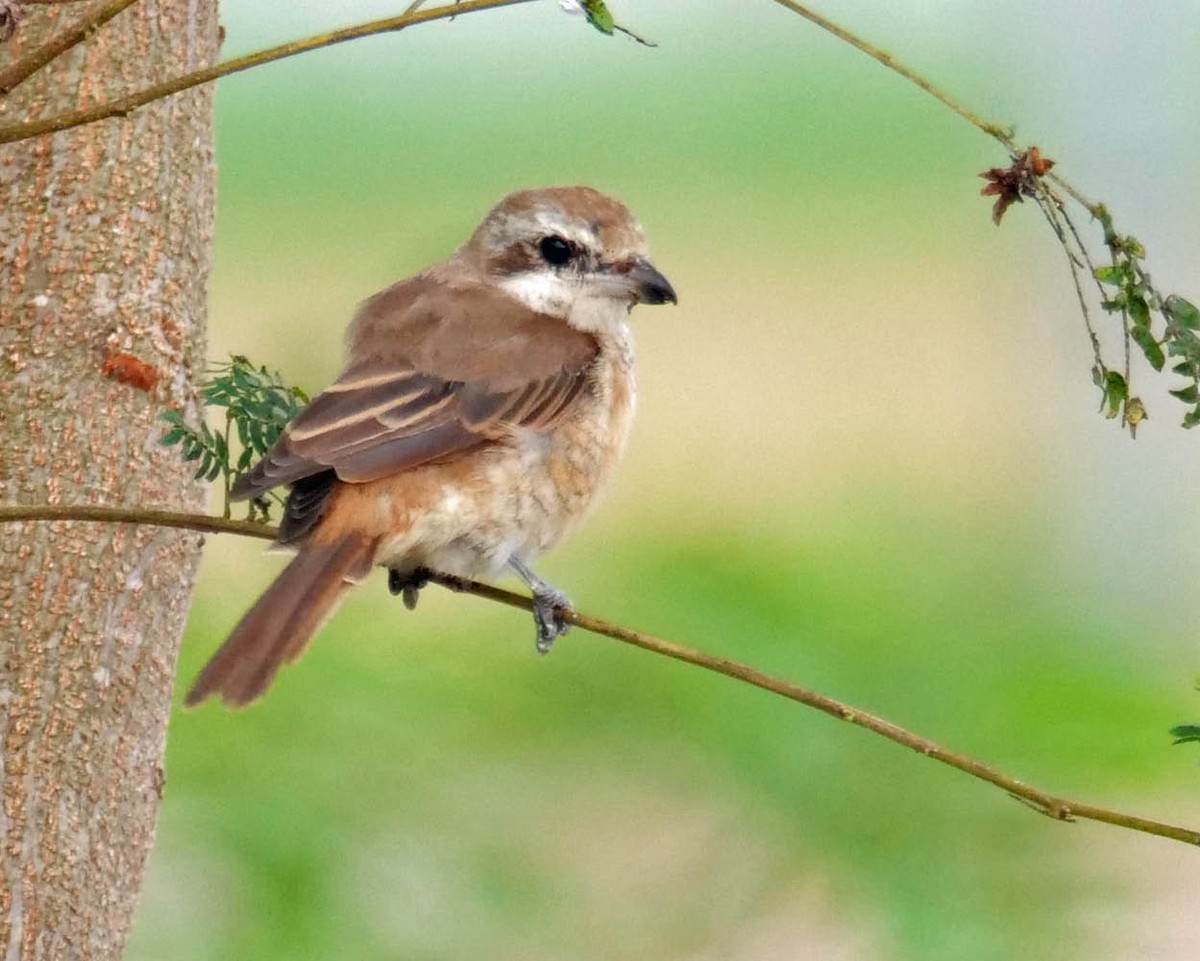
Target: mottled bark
<point>104,250</point>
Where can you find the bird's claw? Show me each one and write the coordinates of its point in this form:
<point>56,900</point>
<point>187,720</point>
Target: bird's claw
<point>549,605</point>
<point>408,584</point>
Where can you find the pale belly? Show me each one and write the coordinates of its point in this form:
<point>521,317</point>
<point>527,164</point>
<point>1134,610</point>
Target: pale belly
<point>516,499</point>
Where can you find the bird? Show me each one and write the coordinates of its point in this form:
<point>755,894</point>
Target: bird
<point>484,405</point>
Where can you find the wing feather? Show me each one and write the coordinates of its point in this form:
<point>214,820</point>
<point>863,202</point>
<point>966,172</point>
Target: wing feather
<point>451,373</point>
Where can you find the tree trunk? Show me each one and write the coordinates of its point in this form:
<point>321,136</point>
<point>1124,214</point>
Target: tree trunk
<point>105,233</point>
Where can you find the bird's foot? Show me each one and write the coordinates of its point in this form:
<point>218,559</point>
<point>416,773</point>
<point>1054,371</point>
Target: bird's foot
<point>549,605</point>
<point>408,584</point>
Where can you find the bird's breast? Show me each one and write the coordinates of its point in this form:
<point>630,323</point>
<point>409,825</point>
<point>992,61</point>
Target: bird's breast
<point>516,497</point>
<point>553,479</point>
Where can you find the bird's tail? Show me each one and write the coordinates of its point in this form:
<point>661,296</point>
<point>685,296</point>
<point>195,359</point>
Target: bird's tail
<point>277,629</point>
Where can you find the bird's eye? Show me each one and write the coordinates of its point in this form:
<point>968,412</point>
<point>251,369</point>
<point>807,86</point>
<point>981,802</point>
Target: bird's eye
<point>555,250</point>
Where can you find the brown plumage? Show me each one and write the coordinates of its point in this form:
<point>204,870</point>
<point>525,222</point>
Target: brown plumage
<point>277,629</point>
<point>483,407</point>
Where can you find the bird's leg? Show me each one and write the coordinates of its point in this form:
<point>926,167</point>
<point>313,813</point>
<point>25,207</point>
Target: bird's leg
<point>548,606</point>
<point>408,584</point>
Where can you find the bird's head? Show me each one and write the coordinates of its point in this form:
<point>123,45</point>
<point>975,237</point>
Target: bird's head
<point>570,252</point>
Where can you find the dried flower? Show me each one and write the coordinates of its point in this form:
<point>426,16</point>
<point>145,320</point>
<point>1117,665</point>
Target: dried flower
<point>1010,184</point>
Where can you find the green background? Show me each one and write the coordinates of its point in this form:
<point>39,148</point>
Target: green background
<point>867,459</point>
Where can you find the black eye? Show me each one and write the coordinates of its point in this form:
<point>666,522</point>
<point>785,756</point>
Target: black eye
<point>555,250</point>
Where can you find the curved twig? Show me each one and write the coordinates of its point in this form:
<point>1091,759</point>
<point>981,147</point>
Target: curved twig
<point>998,131</point>
<point>1052,805</point>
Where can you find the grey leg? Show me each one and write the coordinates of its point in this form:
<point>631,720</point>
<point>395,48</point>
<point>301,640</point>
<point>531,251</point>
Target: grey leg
<point>548,605</point>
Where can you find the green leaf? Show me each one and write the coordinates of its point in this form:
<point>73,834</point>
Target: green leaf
<point>1114,274</point>
<point>243,434</point>
<point>286,413</point>
<point>1183,343</point>
<point>1185,732</point>
<point>1189,394</point>
<point>1144,338</point>
<point>216,392</point>
<point>257,441</point>
<point>598,15</point>
<point>1183,337</point>
<point>1182,312</point>
<point>1139,312</point>
<point>1115,392</point>
<point>257,404</point>
<point>246,379</point>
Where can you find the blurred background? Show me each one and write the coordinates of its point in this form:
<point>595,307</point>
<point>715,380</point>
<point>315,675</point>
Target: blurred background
<point>868,459</point>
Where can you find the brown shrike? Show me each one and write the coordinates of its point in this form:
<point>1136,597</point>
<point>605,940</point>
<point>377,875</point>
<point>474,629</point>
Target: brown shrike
<point>482,410</point>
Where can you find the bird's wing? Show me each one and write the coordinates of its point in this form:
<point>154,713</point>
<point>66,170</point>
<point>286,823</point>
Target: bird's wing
<point>451,369</point>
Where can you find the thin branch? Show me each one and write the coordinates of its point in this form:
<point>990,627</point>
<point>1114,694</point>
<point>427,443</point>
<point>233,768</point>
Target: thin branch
<point>1075,193</point>
<point>999,132</point>
<point>891,63</point>
<point>1058,808</point>
<point>1048,209</point>
<point>137,515</point>
<point>1091,270</point>
<point>124,105</point>
<point>79,31</point>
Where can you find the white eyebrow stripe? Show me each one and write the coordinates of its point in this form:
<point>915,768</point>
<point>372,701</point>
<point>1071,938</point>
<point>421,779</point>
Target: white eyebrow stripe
<point>551,221</point>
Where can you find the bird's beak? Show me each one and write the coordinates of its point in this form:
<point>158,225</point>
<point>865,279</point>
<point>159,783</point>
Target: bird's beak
<point>648,285</point>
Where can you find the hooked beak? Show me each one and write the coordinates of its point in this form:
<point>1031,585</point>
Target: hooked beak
<point>648,285</point>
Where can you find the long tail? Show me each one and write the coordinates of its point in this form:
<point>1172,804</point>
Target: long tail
<point>277,629</point>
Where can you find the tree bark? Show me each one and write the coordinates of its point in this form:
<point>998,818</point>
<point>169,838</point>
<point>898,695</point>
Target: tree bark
<point>105,237</point>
